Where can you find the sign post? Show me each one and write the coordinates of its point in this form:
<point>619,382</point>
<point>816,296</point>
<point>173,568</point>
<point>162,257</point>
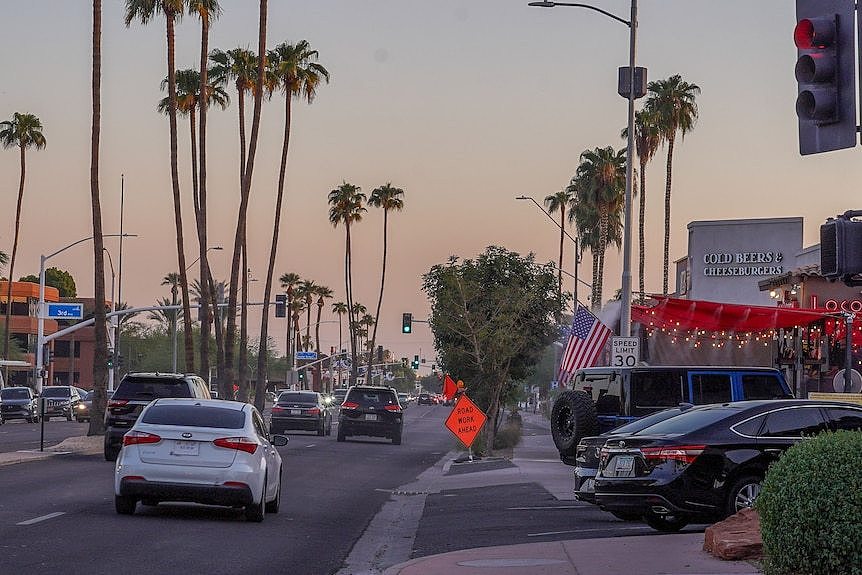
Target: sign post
<point>625,351</point>
<point>466,421</point>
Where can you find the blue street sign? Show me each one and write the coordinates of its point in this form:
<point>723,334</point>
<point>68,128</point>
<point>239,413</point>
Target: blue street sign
<point>306,355</point>
<point>64,310</point>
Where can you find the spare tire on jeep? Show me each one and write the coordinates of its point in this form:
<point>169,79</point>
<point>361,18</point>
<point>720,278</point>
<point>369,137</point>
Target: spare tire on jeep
<point>572,418</point>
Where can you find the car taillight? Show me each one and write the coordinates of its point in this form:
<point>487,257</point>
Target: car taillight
<point>313,411</point>
<point>276,409</point>
<point>349,405</point>
<point>392,408</point>
<point>240,443</point>
<point>682,453</point>
<point>118,402</point>
<point>140,437</point>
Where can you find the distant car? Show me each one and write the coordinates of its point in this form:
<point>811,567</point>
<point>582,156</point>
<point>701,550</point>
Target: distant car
<point>709,462</point>
<point>60,401</point>
<point>82,410</point>
<point>372,411</point>
<point>403,399</point>
<point>135,391</point>
<point>425,399</point>
<point>202,451</point>
<point>301,410</point>
<point>18,403</point>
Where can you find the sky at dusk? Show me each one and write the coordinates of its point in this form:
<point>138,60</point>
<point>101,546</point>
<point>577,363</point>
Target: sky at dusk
<point>464,104</point>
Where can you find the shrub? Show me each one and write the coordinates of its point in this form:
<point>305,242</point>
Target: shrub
<point>507,436</point>
<point>811,508</point>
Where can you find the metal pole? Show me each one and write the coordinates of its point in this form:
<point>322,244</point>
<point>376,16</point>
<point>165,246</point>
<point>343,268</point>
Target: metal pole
<point>626,315</point>
<point>848,352</point>
<point>119,282</point>
<point>40,330</point>
<point>114,322</point>
<point>577,261</point>
<point>174,330</point>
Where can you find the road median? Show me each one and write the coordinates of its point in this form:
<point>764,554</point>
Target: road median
<point>83,445</point>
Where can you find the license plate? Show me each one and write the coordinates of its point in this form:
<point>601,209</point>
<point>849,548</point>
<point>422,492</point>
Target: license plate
<point>296,412</point>
<point>186,448</point>
<point>624,465</point>
<point>370,417</point>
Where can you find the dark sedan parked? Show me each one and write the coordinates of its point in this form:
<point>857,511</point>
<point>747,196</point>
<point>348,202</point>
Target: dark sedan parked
<point>708,463</point>
<point>300,410</point>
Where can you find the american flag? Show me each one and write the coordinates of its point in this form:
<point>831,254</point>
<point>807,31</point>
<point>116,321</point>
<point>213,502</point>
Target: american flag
<point>586,341</point>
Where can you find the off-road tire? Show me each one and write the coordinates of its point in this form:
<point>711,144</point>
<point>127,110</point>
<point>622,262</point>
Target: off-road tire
<point>573,418</point>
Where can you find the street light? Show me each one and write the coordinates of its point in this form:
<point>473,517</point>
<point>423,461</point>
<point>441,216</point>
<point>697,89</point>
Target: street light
<point>632,23</point>
<point>114,325</point>
<point>575,239</point>
<point>199,258</point>
<point>40,320</point>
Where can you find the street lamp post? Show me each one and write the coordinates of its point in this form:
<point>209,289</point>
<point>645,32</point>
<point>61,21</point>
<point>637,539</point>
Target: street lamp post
<point>40,313</point>
<point>632,23</point>
<point>114,325</point>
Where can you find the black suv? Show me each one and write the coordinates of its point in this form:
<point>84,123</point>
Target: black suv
<point>603,398</point>
<point>18,403</point>
<point>135,391</point>
<point>373,411</point>
<point>60,401</point>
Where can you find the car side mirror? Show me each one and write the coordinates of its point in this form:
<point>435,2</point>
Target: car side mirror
<point>279,440</point>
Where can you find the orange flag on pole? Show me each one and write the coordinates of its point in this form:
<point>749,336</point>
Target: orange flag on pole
<point>449,388</point>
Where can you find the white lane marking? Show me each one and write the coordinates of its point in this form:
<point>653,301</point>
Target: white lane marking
<point>588,530</point>
<point>42,518</point>
<point>550,507</point>
<point>311,445</point>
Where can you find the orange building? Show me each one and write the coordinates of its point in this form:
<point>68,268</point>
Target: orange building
<point>23,324</point>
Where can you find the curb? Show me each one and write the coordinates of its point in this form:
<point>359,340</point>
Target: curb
<point>81,445</point>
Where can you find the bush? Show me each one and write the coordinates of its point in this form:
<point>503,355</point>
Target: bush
<point>507,436</point>
<point>811,508</point>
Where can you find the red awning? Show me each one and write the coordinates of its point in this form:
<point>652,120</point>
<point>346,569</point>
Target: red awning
<point>672,313</point>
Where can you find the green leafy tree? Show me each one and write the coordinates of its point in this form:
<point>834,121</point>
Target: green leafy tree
<point>60,279</point>
<point>23,131</point>
<point>492,317</point>
<point>673,104</point>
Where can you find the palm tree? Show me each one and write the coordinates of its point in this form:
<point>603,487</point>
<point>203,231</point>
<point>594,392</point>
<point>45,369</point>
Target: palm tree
<point>298,76</point>
<point>559,202</point>
<point>672,102</point>
<point>323,293</point>
<point>172,10</point>
<point>600,181</point>
<point>165,318</point>
<point>647,142</point>
<point>339,308</point>
<point>206,10</point>
<point>288,284</point>
<point>305,292</point>
<point>4,259</point>
<point>346,207</point>
<point>388,199</point>
<point>173,279</point>
<point>23,131</point>
<point>100,353</point>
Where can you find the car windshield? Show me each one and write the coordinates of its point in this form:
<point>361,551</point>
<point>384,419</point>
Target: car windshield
<point>689,421</point>
<point>56,392</point>
<point>195,416</point>
<point>644,422</point>
<point>151,388</point>
<point>14,393</point>
<point>297,397</point>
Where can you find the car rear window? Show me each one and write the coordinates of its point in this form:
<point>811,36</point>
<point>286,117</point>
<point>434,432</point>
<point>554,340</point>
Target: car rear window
<point>56,392</point>
<point>12,393</point>
<point>369,397</point>
<point>688,421</point>
<point>195,416</point>
<point>151,388</point>
<point>297,397</point>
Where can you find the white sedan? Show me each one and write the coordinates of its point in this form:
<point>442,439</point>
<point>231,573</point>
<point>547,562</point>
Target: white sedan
<point>204,451</point>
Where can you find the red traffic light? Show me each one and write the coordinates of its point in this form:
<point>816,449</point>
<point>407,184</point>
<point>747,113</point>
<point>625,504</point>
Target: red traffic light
<point>812,33</point>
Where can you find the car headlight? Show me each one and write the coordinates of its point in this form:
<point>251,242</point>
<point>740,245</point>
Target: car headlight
<point>81,406</point>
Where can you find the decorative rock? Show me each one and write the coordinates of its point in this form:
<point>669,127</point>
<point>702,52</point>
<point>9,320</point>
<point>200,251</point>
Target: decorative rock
<point>735,538</point>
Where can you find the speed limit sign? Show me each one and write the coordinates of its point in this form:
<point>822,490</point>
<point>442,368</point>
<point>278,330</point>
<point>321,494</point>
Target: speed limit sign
<point>625,351</point>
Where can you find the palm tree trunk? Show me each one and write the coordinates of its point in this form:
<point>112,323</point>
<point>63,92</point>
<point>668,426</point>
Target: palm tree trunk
<point>382,282</point>
<point>560,265</point>
<point>317,329</point>
<point>203,240</point>
<point>351,324</point>
<point>242,359</point>
<point>242,144</point>
<point>641,228</point>
<point>175,185</point>
<point>595,306</point>
<point>249,170</point>
<point>665,265</point>
<point>194,155</point>
<point>100,354</point>
<point>603,242</point>
<point>13,257</point>
<point>273,247</point>
<point>307,323</point>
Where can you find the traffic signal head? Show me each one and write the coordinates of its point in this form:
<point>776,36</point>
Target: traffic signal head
<point>406,323</point>
<point>404,362</point>
<point>826,75</point>
<point>302,376</point>
<point>280,305</point>
<point>841,249</point>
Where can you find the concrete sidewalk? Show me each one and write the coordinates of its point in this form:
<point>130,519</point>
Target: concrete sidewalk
<point>536,459</point>
<point>86,445</point>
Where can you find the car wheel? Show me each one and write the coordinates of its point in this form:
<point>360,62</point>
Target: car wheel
<point>396,438</point>
<point>124,504</point>
<point>272,506</point>
<point>111,453</point>
<point>621,515</point>
<point>256,511</point>
<point>572,418</point>
<point>340,437</point>
<point>742,494</point>
<point>664,523</point>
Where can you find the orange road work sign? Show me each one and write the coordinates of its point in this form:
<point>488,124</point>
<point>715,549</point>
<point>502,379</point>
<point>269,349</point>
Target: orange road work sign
<point>466,420</point>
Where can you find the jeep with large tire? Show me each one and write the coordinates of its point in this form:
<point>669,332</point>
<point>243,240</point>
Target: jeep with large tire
<point>603,398</point>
